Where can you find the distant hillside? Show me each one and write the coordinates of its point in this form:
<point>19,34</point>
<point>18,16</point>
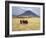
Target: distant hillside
<point>28,13</point>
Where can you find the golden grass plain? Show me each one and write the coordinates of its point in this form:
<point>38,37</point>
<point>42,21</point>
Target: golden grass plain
<point>33,24</point>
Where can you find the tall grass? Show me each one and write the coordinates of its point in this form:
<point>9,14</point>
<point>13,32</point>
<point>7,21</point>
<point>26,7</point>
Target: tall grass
<point>33,24</point>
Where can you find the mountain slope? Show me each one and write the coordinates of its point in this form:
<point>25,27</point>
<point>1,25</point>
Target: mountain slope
<point>28,13</point>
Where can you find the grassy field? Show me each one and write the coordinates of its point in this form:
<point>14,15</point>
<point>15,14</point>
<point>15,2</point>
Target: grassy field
<point>33,24</point>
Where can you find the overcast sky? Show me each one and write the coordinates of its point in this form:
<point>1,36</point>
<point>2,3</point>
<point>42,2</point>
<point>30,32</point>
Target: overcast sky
<point>19,10</point>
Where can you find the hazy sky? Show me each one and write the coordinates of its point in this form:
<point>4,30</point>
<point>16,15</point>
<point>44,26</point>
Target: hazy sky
<point>19,10</point>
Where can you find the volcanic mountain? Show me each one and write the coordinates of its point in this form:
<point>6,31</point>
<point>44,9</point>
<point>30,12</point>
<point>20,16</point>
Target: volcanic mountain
<point>28,13</point>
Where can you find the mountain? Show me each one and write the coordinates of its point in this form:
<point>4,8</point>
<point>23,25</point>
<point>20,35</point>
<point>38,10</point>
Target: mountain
<point>28,13</point>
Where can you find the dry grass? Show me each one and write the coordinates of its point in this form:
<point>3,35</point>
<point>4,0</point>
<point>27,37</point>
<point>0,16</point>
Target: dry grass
<point>33,24</point>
